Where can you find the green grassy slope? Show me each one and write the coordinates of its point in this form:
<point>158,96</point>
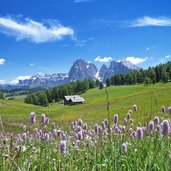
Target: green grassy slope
<point>148,98</point>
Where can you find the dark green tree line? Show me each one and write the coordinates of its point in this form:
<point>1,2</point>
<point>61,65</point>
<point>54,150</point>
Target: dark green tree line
<point>160,73</point>
<point>1,95</point>
<point>43,98</point>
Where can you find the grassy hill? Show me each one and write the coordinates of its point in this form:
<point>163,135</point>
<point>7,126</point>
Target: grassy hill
<point>149,100</point>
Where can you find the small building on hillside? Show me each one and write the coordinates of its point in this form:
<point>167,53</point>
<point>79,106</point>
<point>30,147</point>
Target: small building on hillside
<point>72,100</point>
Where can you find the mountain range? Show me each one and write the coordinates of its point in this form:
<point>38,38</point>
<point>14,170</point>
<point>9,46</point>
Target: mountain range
<point>80,70</point>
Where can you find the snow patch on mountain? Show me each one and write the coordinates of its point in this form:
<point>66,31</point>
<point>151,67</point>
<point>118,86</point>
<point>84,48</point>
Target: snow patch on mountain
<point>97,76</point>
<point>80,70</point>
<point>129,64</point>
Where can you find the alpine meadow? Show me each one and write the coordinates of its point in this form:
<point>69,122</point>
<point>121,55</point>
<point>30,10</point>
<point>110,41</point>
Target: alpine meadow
<point>85,85</point>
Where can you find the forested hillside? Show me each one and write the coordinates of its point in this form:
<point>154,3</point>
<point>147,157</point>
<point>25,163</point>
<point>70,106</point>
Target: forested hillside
<point>160,73</point>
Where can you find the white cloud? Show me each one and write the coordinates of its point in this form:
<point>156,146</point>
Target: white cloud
<point>2,82</point>
<point>168,56</point>
<point>136,60</point>
<point>147,49</point>
<point>79,1</point>
<point>23,77</point>
<point>81,43</point>
<point>31,64</point>
<point>14,82</point>
<point>151,21</point>
<point>34,31</point>
<point>104,59</point>
<point>2,61</point>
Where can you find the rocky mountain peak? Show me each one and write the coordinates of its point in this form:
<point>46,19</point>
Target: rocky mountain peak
<point>114,69</point>
<point>81,70</point>
<point>129,64</point>
<point>103,71</point>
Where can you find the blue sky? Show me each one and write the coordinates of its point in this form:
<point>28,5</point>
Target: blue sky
<point>47,36</point>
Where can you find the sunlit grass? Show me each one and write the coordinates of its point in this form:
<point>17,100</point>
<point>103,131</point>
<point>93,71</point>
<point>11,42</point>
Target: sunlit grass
<point>44,146</point>
<point>148,98</point>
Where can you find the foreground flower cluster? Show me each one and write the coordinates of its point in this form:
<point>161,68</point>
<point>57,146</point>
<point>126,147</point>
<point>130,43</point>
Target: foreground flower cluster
<point>110,145</point>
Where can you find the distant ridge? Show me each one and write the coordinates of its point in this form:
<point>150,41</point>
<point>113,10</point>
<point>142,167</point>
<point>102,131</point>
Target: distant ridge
<point>80,70</point>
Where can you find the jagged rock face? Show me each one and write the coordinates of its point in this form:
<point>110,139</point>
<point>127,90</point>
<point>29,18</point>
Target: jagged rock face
<point>129,65</point>
<point>102,72</point>
<point>116,68</point>
<point>46,79</point>
<point>81,70</point>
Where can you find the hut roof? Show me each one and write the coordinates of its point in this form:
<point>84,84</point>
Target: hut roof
<point>74,98</point>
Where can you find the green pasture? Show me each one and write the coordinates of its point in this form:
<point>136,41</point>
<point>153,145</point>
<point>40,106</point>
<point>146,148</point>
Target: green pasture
<point>149,100</point>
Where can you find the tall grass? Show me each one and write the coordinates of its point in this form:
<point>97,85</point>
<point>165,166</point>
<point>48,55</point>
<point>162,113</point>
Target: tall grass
<point>84,146</point>
<point>109,146</point>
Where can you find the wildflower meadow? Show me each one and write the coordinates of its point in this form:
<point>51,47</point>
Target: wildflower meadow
<point>111,145</point>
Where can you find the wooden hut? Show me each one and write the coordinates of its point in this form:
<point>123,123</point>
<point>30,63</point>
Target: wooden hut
<point>72,100</point>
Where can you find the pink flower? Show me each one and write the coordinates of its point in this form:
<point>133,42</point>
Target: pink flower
<point>42,119</point>
<point>115,120</point>
<point>135,107</point>
<point>32,117</point>
<point>139,132</point>
<point>124,148</point>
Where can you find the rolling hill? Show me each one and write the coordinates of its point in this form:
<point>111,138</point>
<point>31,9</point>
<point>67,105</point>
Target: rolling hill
<point>149,100</point>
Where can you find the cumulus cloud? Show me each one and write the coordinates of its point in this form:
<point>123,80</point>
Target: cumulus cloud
<point>2,61</point>
<point>151,21</point>
<point>168,56</point>
<point>34,31</point>
<point>2,82</point>
<point>23,77</point>
<point>103,59</point>
<point>136,60</point>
